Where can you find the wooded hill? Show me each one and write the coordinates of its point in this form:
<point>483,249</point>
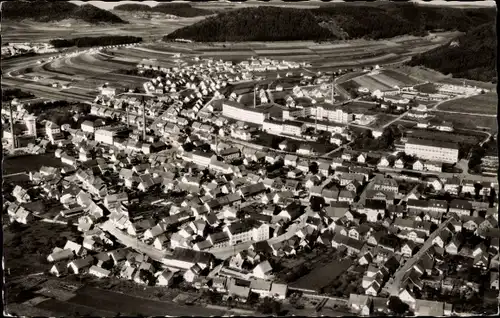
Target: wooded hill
<point>53,11</point>
<point>339,21</point>
<point>471,56</point>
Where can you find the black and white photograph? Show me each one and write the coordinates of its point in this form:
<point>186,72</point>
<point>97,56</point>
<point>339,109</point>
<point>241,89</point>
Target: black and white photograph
<point>249,158</point>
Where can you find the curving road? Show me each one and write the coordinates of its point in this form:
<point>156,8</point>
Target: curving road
<point>133,242</point>
<point>226,252</point>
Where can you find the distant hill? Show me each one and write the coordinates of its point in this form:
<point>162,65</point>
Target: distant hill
<point>53,11</point>
<point>177,9</point>
<point>341,20</point>
<point>471,56</point>
<point>255,24</point>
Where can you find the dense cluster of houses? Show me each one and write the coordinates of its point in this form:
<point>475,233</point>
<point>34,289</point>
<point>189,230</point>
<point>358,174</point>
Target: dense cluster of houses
<point>183,203</point>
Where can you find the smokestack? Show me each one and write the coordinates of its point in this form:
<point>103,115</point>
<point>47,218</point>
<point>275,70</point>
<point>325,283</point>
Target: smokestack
<point>333,86</point>
<point>12,126</point>
<point>126,109</point>
<point>143,119</point>
<point>254,96</point>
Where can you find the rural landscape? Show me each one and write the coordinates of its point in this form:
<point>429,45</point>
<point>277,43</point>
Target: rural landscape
<point>255,158</point>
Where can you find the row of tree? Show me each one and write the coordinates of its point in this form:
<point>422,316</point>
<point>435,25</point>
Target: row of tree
<point>177,9</point>
<point>95,41</point>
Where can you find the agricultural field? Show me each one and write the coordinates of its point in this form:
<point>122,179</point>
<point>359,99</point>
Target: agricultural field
<point>384,79</point>
<point>479,104</point>
<point>148,29</point>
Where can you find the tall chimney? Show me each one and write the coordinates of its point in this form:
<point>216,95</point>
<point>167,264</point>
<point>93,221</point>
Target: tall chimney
<point>12,126</point>
<point>143,119</point>
<point>333,86</point>
<point>254,96</point>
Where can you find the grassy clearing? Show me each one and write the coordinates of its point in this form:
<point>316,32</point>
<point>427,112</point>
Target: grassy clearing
<point>480,104</point>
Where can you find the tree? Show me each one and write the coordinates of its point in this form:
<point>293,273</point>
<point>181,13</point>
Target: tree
<point>269,306</point>
<point>397,306</point>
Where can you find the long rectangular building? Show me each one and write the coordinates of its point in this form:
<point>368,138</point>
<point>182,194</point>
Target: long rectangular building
<point>432,150</point>
<point>238,111</point>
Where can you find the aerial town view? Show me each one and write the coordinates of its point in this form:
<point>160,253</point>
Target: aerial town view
<point>249,158</point>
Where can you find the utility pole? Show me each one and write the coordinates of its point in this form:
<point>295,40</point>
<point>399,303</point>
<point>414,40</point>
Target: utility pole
<point>12,126</point>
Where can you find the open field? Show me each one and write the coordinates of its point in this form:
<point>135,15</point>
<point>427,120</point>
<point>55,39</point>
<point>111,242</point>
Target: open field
<point>469,121</point>
<point>27,31</point>
<point>479,104</point>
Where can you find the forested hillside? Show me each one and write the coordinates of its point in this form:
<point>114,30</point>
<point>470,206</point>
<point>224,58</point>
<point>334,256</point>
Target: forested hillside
<point>471,56</point>
<point>53,11</point>
<point>177,9</point>
<point>373,21</point>
<point>255,24</point>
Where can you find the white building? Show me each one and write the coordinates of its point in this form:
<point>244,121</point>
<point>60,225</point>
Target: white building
<point>331,113</point>
<point>272,127</point>
<point>432,150</point>
<point>247,114</point>
<point>105,136</point>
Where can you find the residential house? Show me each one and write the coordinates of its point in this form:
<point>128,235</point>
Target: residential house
<point>460,207</point>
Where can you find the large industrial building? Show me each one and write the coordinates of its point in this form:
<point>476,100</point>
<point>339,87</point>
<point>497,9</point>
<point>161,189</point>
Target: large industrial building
<point>432,150</point>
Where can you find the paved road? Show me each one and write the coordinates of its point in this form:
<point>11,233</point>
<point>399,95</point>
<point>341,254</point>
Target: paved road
<point>133,242</point>
<point>226,252</point>
<point>395,120</point>
<point>435,107</point>
<point>337,149</point>
<point>14,174</point>
<point>395,287</point>
<point>463,113</point>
